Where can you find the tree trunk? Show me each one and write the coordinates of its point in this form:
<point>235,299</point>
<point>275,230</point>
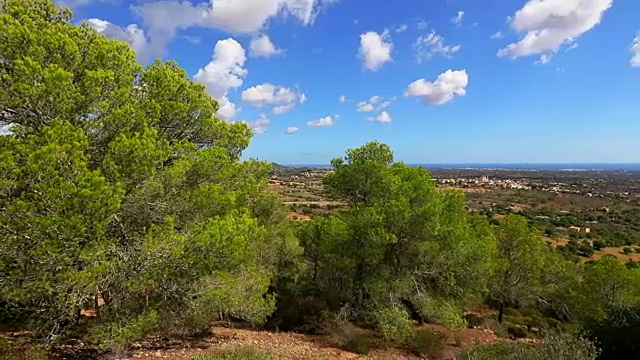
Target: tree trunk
<point>500,312</point>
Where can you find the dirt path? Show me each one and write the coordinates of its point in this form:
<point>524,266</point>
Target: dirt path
<point>291,346</point>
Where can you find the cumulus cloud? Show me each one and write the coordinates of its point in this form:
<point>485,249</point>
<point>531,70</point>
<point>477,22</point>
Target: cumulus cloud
<point>323,121</point>
<point>291,130</point>
<point>375,103</point>
<point>375,49</point>
<point>165,18</point>
<point>548,25</point>
<point>432,44</point>
<point>446,86</point>
<point>225,71</point>
<point>284,99</point>
<point>635,49</point>
<point>261,46</point>
<point>342,98</point>
<point>383,117</point>
<point>132,34</point>
<point>259,127</point>
<point>457,20</point>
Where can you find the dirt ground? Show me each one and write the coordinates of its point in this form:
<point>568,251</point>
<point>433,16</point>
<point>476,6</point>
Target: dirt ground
<point>280,345</point>
<point>291,346</point>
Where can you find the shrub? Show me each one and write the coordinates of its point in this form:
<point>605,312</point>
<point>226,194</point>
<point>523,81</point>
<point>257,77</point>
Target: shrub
<point>627,250</point>
<point>473,320</point>
<point>616,333</point>
<point>243,353</point>
<point>439,311</point>
<point>8,352</point>
<point>517,332</point>
<point>348,336</point>
<point>394,324</point>
<point>512,312</point>
<point>359,343</point>
<point>427,343</point>
<point>553,347</point>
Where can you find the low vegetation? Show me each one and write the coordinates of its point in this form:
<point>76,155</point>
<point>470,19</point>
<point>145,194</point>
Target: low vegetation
<point>126,211</point>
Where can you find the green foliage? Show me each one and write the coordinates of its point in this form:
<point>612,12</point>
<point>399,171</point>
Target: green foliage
<point>553,347</point>
<point>12,352</point>
<point>427,343</point>
<point>243,353</point>
<point>523,257</point>
<point>517,332</point>
<point>606,283</point>
<point>120,184</point>
<point>399,239</point>
<point>394,324</point>
<point>616,333</point>
<point>439,311</point>
<point>347,336</point>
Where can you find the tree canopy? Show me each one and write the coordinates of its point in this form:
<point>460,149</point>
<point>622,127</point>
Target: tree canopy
<point>120,184</point>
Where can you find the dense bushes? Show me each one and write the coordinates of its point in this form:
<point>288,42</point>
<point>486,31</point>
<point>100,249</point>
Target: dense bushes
<point>120,187</point>
<point>554,347</point>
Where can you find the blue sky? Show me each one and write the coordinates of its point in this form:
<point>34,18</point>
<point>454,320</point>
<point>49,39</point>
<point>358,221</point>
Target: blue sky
<point>457,81</point>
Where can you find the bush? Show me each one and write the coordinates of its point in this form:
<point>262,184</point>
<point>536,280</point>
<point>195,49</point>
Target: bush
<point>8,352</point>
<point>517,332</point>
<point>473,320</point>
<point>599,244</point>
<point>347,336</point>
<point>617,333</point>
<point>394,324</point>
<point>427,343</point>
<point>439,311</point>
<point>243,353</point>
<point>359,343</point>
<point>627,250</point>
<point>553,347</point>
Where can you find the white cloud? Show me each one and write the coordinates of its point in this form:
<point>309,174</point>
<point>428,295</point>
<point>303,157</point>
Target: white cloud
<point>635,49</point>
<point>291,130</point>
<point>448,84</point>
<point>323,121</point>
<point>259,127</point>
<point>383,117</point>
<point>544,59</point>
<point>164,18</point>
<point>375,49</point>
<point>282,97</point>
<point>132,34</point>
<point>224,72</point>
<point>457,20</point>
<point>375,103</point>
<point>497,35</point>
<point>402,28</point>
<point>431,44</point>
<point>342,98</point>
<point>261,46</point>
<point>547,25</point>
